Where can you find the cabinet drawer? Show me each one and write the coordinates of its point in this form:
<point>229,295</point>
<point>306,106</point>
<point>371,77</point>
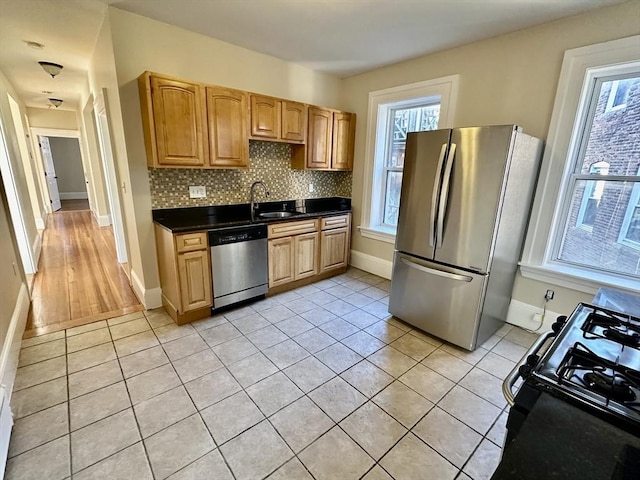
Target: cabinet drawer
<point>191,241</point>
<point>293,228</point>
<point>334,222</point>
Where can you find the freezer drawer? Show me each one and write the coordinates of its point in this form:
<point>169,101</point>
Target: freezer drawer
<point>439,300</point>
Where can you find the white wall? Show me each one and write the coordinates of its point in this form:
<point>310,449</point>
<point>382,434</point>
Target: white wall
<point>507,79</point>
<point>67,162</point>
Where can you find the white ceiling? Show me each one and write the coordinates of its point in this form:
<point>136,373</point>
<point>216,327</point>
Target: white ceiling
<point>341,37</point>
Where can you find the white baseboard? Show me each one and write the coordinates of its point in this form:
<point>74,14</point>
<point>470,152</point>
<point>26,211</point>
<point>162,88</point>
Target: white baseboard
<point>40,224</point>
<point>37,248</point>
<point>528,316</point>
<point>73,196</point>
<point>150,298</point>
<point>371,264</point>
<point>9,366</point>
<point>103,220</point>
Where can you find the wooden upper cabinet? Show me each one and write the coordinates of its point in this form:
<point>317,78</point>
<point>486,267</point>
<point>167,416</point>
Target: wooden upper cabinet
<point>174,122</point>
<point>265,117</point>
<point>278,120</point>
<point>343,141</point>
<point>227,114</point>
<point>294,121</point>
<point>319,138</point>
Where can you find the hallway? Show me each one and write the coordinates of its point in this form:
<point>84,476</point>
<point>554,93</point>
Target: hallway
<point>79,279</point>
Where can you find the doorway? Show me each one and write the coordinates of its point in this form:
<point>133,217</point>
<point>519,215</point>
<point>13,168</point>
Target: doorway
<point>66,181</point>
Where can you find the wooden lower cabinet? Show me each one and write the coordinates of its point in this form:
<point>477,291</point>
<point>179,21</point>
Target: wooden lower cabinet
<point>195,280</point>
<point>303,251</point>
<point>281,261</point>
<point>334,248</point>
<point>306,252</point>
<point>185,274</point>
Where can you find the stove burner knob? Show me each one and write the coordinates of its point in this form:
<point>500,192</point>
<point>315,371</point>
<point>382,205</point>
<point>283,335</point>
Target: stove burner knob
<point>532,360</point>
<point>559,323</point>
<point>525,370</point>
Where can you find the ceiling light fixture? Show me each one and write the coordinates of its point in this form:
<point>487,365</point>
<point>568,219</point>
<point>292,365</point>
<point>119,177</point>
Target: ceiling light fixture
<point>56,102</point>
<point>32,44</point>
<point>52,69</point>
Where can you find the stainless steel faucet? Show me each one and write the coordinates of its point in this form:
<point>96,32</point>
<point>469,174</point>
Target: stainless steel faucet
<point>253,193</point>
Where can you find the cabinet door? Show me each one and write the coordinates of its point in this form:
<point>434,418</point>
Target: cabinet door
<point>195,280</point>
<point>343,141</point>
<point>294,121</point>
<point>178,117</point>
<point>319,140</point>
<point>334,249</point>
<point>227,117</point>
<point>281,261</point>
<point>306,248</point>
<point>265,117</point>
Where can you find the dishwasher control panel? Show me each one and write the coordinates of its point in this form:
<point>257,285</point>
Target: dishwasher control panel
<point>225,236</point>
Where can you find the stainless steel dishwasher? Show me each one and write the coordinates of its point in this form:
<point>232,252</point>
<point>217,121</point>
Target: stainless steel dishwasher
<point>238,263</point>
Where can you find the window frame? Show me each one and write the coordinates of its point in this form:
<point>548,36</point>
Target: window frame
<point>579,69</point>
<point>634,202</point>
<point>380,103</point>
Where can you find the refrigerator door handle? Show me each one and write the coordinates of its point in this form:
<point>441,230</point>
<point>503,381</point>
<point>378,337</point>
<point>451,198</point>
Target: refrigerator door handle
<point>444,195</point>
<point>433,271</point>
<point>434,196</point>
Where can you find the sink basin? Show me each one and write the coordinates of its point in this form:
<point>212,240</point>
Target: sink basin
<point>276,214</point>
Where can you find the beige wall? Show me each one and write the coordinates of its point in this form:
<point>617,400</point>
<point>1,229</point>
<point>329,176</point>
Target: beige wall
<point>16,161</point>
<point>141,44</point>
<point>503,80</point>
<point>10,269</point>
<point>50,118</point>
<point>68,165</point>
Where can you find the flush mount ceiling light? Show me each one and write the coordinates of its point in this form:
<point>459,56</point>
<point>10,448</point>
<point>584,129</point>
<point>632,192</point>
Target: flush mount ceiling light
<point>52,69</point>
<point>32,44</point>
<point>56,102</point>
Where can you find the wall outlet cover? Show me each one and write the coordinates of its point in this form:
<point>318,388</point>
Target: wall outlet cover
<point>311,188</point>
<point>197,191</point>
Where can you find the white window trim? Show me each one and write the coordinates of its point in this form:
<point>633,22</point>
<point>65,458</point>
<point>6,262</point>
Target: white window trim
<point>447,89</point>
<point>568,109</point>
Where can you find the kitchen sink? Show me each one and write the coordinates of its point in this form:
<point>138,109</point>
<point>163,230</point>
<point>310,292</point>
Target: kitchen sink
<point>276,214</point>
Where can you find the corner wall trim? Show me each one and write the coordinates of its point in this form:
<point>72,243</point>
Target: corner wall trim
<point>151,298</point>
<point>37,248</point>
<point>371,264</point>
<point>9,366</point>
<point>522,315</point>
<point>40,223</point>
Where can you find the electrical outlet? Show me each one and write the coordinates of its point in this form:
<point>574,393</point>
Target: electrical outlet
<point>311,188</point>
<point>549,295</point>
<point>197,191</point>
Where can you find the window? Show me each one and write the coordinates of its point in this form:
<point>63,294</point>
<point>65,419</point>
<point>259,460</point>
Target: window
<point>592,196</point>
<point>393,113</point>
<point>630,231</point>
<point>617,98</point>
<point>585,224</point>
<point>401,121</point>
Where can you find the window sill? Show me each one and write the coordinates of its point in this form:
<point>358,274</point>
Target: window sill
<point>381,234</point>
<point>579,279</point>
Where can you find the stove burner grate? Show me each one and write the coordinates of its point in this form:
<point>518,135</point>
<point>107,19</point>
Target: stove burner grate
<point>600,376</point>
<point>621,329</point>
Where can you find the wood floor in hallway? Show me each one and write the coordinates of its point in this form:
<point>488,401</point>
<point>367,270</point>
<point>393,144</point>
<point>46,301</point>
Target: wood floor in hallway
<point>79,279</point>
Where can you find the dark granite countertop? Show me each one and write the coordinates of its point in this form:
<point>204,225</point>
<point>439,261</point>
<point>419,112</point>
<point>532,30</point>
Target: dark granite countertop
<point>188,219</point>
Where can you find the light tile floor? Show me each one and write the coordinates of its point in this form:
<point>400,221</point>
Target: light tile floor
<point>319,383</point>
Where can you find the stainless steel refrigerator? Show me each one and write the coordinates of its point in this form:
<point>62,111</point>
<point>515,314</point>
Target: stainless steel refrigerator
<point>464,208</point>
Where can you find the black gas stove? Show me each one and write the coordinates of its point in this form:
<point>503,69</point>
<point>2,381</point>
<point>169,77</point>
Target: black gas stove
<point>594,361</point>
<point>588,367</point>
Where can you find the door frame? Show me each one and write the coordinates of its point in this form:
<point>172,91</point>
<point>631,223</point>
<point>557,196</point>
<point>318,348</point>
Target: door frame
<point>15,209</point>
<point>106,148</point>
<point>50,171</point>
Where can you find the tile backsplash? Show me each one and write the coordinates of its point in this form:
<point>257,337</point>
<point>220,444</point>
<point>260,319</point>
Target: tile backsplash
<point>268,161</point>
